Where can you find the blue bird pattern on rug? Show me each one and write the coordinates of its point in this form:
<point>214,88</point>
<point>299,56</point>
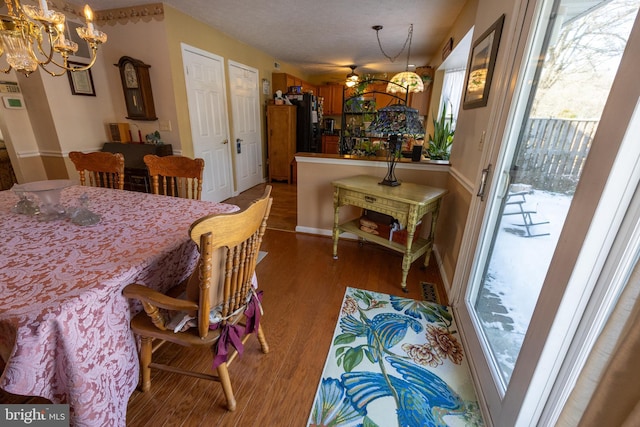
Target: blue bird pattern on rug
<point>394,362</point>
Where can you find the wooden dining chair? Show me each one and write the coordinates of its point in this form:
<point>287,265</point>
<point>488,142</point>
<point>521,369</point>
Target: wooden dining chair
<point>226,307</point>
<point>175,175</point>
<point>103,169</point>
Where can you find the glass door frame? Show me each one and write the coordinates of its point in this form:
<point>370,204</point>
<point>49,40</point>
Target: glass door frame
<point>543,351</point>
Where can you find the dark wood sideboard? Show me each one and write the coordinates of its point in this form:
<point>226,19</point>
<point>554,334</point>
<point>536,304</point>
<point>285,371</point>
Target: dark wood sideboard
<point>136,175</point>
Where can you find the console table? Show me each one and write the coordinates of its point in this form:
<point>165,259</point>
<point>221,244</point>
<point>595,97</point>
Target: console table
<point>407,203</point>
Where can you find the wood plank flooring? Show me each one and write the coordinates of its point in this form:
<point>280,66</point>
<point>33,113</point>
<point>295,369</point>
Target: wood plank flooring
<point>303,289</point>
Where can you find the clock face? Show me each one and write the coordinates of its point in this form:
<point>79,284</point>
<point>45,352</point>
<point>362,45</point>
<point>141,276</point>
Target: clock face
<point>130,75</point>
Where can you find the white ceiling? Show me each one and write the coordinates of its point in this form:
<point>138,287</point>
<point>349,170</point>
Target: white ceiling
<point>325,36</point>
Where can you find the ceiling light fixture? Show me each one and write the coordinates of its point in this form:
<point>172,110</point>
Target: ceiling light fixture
<point>352,77</point>
<point>406,80</point>
<point>23,29</point>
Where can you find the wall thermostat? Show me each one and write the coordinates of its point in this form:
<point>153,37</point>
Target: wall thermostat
<point>9,87</point>
<point>13,102</point>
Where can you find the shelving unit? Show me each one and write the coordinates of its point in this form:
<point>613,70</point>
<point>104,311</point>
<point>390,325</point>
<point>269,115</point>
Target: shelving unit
<point>359,107</point>
<point>408,203</point>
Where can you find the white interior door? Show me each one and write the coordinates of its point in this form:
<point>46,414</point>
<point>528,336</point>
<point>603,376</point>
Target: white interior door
<point>247,147</point>
<point>548,219</point>
<point>207,101</point>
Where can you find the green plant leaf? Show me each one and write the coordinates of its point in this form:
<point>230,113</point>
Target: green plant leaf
<point>442,139</point>
<point>368,422</point>
<point>352,358</point>
<point>344,339</point>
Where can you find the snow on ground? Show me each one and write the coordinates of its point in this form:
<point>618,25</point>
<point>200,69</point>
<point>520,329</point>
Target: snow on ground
<point>516,272</point>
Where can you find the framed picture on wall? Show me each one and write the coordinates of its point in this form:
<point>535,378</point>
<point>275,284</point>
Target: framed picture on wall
<point>81,82</point>
<point>481,65</point>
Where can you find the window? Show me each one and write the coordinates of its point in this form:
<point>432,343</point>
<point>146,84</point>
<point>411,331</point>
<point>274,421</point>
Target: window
<point>452,86</point>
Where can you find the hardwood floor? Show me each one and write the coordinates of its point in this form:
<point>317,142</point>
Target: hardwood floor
<point>303,289</point>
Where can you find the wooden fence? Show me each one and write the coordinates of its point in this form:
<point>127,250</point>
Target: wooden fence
<point>553,152</point>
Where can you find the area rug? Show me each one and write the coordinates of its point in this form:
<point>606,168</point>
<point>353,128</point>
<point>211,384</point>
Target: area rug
<point>429,292</point>
<point>394,362</point>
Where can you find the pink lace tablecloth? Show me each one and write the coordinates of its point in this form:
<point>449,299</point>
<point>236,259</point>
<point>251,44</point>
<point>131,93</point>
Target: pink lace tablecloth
<point>64,324</point>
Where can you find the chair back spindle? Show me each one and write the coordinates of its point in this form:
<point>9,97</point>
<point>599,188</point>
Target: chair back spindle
<point>100,169</point>
<point>176,176</point>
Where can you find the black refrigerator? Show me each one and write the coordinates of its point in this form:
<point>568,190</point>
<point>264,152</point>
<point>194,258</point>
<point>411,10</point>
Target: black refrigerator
<point>308,135</point>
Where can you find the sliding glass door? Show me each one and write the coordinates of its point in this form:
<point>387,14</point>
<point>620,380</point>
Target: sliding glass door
<point>569,64</point>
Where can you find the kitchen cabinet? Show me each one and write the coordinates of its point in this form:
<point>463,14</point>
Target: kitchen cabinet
<point>332,94</point>
<point>282,81</point>
<point>336,99</point>
<point>324,91</point>
<point>281,140</point>
<point>383,99</point>
<point>330,144</point>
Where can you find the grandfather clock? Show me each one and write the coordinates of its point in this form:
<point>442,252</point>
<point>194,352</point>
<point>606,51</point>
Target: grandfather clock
<point>137,89</point>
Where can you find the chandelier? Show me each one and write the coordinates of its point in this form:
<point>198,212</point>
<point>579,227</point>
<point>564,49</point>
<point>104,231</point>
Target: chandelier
<point>406,80</point>
<point>352,77</point>
<point>24,29</point>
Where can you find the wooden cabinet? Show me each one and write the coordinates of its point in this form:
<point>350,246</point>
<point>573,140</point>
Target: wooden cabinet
<point>324,92</point>
<point>281,140</point>
<point>332,94</point>
<point>330,144</point>
<point>308,87</point>
<point>383,99</point>
<point>336,99</point>
<point>282,81</point>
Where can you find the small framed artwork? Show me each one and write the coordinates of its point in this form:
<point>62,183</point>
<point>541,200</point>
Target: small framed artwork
<point>481,65</point>
<point>81,82</point>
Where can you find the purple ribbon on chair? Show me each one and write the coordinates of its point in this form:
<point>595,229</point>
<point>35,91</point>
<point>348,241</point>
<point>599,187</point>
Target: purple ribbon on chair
<point>230,335</point>
<point>252,313</point>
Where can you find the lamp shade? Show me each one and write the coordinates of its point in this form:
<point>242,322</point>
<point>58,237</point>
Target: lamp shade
<point>405,80</point>
<point>396,120</point>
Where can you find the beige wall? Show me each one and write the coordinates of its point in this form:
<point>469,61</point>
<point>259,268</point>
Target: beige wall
<point>56,122</point>
<point>183,29</point>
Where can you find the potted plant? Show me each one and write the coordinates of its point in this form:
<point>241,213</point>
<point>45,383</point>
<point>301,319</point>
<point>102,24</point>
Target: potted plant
<point>440,142</point>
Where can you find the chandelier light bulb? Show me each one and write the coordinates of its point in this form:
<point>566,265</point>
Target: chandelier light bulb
<point>32,36</point>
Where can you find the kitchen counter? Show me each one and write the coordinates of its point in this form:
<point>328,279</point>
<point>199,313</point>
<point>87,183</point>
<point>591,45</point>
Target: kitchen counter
<point>402,163</point>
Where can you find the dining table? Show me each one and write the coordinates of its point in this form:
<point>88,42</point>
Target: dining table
<point>64,323</point>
